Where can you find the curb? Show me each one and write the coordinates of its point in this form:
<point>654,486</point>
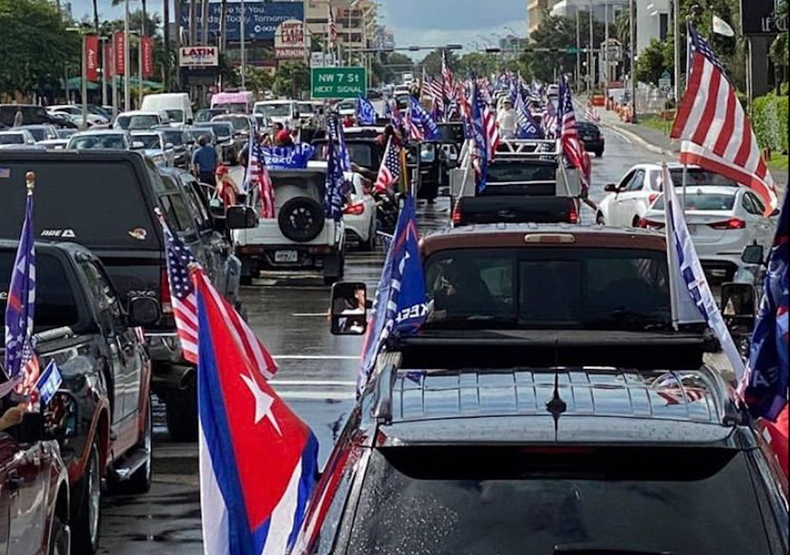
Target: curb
<point>639,140</point>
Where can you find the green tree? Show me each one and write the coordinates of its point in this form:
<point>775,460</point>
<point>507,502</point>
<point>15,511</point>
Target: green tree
<point>292,80</point>
<point>432,63</point>
<point>476,63</point>
<point>558,33</point>
<point>654,61</point>
<point>35,47</point>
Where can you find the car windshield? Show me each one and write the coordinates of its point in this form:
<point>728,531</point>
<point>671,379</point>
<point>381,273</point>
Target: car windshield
<point>204,116</point>
<point>275,110</point>
<point>698,177</point>
<point>55,303</point>
<point>239,124</point>
<point>522,172</point>
<point>151,141</point>
<point>614,500</point>
<point>223,131</point>
<point>137,121</point>
<point>571,288</point>
<point>702,202</point>
<point>306,109</point>
<point>39,133</point>
<point>176,116</point>
<point>97,142</point>
<point>175,137</point>
<point>12,139</point>
<point>361,154</point>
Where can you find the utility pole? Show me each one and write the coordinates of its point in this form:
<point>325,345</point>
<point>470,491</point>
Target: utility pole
<point>676,23</point>
<point>127,91</point>
<point>632,26</point>
<point>103,41</point>
<point>140,55</point>
<point>605,49</point>
<point>84,82</point>
<point>590,55</point>
<point>243,49</point>
<point>166,36</point>
<point>578,49</point>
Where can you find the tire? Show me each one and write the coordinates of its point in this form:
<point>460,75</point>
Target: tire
<point>599,219</point>
<point>86,525</point>
<point>182,414</point>
<point>59,537</point>
<point>140,482</point>
<point>301,219</point>
<point>599,153</point>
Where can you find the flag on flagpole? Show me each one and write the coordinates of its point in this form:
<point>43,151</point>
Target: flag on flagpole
<point>335,190</point>
<point>49,383</point>
<point>712,125</point>
<point>366,113</point>
<point>389,172</point>
<point>257,181</point>
<point>688,270</point>
<point>528,128</point>
<point>592,115</point>
<point>331,25</point>
<point>766,383</point>
<point>426,126</point>
<point>258,460</point>
<point>721,27</point>
<point>569,135</point>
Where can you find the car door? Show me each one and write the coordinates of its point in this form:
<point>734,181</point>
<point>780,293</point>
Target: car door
<point>759,228</point>
<point>615,215</point>
<point>631,199</point>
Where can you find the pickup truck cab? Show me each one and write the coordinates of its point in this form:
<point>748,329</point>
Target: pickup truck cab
<point>527,182</point>
<point>82,325</point>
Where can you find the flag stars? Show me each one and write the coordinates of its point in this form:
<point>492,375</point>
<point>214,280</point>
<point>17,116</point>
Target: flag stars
<point>263,403</point>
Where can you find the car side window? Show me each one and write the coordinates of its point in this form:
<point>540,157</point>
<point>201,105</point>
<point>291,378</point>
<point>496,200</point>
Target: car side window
<point>753,205</point>
<point>637,183</point>
<point>108,303</point>
<point>177,214</point>
<point>626,180</point>
<point>198,208</point>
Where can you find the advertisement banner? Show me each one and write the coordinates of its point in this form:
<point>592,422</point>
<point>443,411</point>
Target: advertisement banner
<point>759,17</point>
<point>199,56</point>
<point>108,60</point>
<point>147,46</point>
<point>118,42</point>
<point>261,19</point>
<point>92,57</point>
<point>290,42</point>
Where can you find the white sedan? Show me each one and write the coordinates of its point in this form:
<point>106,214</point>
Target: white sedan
<point>722,222</point>
<point>629,200</point>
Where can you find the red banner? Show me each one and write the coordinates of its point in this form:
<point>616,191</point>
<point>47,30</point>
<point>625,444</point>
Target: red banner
<point>92,57</point>
<point>108,60</point>
<point>147,46</point>
<point>118,41</point>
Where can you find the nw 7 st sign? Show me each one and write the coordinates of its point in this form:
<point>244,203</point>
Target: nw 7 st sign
<point>338,82</point>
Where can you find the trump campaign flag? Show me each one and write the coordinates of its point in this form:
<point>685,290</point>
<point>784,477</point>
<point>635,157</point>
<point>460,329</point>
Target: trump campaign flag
<point>400,307</point>
<point>258,461</point>
<point>366,113</point>
<point>684,261</point>
<point>765,385</point>
<point>422,120</point>
<point>527,126</point>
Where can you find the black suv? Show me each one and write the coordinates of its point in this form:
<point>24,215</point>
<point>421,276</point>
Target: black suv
<point>106,201</point>
<point>574,460</point>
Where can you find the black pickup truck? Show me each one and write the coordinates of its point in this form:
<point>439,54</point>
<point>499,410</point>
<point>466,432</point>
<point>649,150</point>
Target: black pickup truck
<point>82,325</point>
<point>106,201</point>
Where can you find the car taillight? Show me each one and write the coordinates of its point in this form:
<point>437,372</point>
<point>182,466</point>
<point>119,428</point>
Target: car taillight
<point>164,292</point>
<point>573,216</point>
<point>650,224</point>
<point>652,198</point>
<point>354,209</point>
<point>458,214</point>
<point>732,223</point>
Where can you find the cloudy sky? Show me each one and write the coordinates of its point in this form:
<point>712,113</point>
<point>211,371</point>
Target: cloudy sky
<point>415,22</point>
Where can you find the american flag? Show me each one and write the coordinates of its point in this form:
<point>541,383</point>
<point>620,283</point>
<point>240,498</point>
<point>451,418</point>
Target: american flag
<point>491,126</point>
<point>569,135</point>
<point>592,114</point>
<point>714,129</point>
<point>184,299</point>
<point>258,178</point>
<point>433,89</point>
<point>389,172</point>
<point>20,358</point>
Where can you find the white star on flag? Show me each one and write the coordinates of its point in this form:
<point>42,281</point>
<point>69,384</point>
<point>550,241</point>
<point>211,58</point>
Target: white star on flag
<point>263,403</point>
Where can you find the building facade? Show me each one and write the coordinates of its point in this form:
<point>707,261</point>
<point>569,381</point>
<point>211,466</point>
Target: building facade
<point>355,22</point>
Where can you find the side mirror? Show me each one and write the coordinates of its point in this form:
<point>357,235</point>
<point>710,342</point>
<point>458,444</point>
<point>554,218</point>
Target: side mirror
<point>241,217</point>
<point>61,416</point>
<point>144,311</point>
<point>739,306</point>
<point>349,313</point>
<point>138,145</point>
<point>753,255</point>
<point>611,188</point>
<point>169,145</point>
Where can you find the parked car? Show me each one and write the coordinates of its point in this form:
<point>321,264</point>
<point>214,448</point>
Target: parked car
<point>630,199</point>
<point>42,132</point>
<point>17,137</point>
<point>241,124</point>
<point>155,146</point>
<point>34,484</point>
<point>75,114</point>
<point>181,141</point>
<point>140,120</point>
<point>300,237</point>
<point>129,241</point>
<point>722,221</point>
<point>31,115</point>
<point>104,139</point>
<point>65,133</point>
<point>527,460</point>
<point>228,146</point>
<point>590,134</point>
<point>81,324</point>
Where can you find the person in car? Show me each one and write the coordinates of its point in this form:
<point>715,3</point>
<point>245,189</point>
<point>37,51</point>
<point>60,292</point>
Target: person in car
<point>227,190</point>
<point>204,161</point>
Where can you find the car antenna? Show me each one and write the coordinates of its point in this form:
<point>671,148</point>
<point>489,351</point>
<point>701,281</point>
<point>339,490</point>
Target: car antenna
<point>556,406</point>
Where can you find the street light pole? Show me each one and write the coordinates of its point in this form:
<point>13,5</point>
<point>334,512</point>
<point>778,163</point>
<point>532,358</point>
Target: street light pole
<point>103,41</point>
<point>676,23</point>
<point>632,26</point>
<point>127,91</point>
<point>84,81</point>
<point>578,48</point>
<point>590,54</point>
<point>243,49</point>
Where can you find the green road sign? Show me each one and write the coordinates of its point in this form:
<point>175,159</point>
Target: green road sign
<point>338,82</point>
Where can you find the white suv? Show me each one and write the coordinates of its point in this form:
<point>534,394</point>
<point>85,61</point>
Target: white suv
<point>300,237</point>
<point>629,200</point>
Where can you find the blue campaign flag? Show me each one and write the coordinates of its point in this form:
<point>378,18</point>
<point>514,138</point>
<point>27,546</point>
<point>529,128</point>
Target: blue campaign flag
<point>366,113</point>
<point>422,119</point>
<point>49,383</point>
<point>21,303</point>
<point>528,128</point>
<point>288,157</point>
<point>401,306</point>
<point>766,382</point>
<point>334,130</point>
<point>335,191</point>
<point>479,136</point>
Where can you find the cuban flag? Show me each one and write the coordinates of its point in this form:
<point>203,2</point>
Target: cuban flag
<point>21,361</point>
<point>366,113</point>
<point>400,307</point>
<point>258,461</point>
<point>684,262</point>
<point>766,382</point>
<point>528,128</point>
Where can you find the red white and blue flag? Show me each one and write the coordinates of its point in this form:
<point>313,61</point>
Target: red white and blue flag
<point>766,382</point>
<point>569,135</point>
<point>389,172</point>
<point>257,181</point>
<point>21,361</point>
<point>258,460</point>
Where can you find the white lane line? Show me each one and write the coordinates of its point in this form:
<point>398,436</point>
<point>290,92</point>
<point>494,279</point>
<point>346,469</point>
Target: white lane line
<point>312,383</point>
<point>315,357</point>
<point>318,395</point>
<point>310,314</point>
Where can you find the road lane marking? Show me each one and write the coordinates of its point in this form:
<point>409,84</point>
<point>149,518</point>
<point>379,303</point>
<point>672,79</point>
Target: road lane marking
<point>318,395</point>
<point>310,314</point>
<point>310,383</point>
<point>315,357</point>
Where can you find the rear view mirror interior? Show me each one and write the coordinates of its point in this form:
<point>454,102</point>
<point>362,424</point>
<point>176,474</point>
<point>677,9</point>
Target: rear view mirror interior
<point>349,309</point>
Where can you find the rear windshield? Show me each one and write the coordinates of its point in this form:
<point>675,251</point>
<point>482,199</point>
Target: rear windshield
<point>97,142</point>
<point>454,501</point>
<point>223,131</point>
<point>55,303</point>
<point>31,115</point>
<point>12,139</point>
<point>175,138</point>
<point>361,154</point>
<point>39,133</point>
<point>137,122</point>
<point>615,289</point>
<point>149,141</point>
<point>696,177</point>
<point>702,202</point>
<point>520,173</point>
<point>97,204</point>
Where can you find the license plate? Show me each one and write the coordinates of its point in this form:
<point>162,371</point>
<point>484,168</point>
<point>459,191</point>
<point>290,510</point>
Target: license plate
<point>286,257</point>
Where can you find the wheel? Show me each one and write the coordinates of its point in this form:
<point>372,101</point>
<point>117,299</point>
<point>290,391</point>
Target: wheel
<point>599,219</point>
<point>59,537</point>
<point>370,244</point>
<point>599,153</point>
<point>636,221</point>
<point>301,219</point>
<point>182,414</point>
<point>87,520</point>
<point>140,482</point>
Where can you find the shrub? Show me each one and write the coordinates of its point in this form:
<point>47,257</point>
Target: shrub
<point>771,122</point>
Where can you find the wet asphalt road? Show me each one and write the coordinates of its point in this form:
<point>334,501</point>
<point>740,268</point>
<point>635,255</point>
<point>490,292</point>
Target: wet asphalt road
<point>317,376</point>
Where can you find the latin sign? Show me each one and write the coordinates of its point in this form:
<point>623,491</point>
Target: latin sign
<point>290,42</point>
<point>199,56</point>
<point>338,82</point>
<point>758,17</point>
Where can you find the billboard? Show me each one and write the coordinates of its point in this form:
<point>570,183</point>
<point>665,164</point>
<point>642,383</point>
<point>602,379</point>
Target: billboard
<point>759,17</point>
<point>199,56</point>
<point>290,42</point>
<point>261,22</point>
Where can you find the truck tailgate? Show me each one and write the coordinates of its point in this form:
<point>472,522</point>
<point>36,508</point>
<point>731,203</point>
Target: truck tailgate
<point>521,209</point>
